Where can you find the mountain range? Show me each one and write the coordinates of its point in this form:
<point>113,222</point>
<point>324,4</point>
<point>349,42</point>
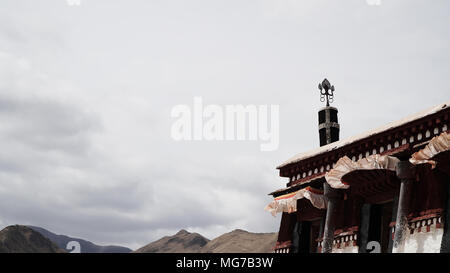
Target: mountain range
<point>32,239</point>
<point>237,241</point>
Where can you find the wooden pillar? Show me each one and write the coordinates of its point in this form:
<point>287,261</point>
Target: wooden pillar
<point>445,243</point>
<point>296,237</point>
<point>305,237</point>
<point>406,173</point>
<point>394,217</point>
<point>364,228</point>
<point>334,197</point>
<point>321,228</point>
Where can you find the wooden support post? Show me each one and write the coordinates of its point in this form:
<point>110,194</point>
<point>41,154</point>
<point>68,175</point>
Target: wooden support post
<point>296,237</point>
<point>321,228</point>
<point>334,197</point>
<point>393,219</point>
<point>364,228</point>
<point>406,173</point>
<point>445,243</point>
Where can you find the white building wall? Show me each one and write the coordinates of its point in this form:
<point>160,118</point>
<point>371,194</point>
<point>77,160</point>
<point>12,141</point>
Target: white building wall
<point>348,249</point>
<point>422,242</point>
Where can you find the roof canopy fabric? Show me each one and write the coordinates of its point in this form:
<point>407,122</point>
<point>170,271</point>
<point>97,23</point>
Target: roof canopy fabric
<point>437,145</point>
<point>345,165</point>
<point>288,202</point>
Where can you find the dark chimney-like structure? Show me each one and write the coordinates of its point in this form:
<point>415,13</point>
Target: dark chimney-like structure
<point>328,119</point>
<point>328,125</point>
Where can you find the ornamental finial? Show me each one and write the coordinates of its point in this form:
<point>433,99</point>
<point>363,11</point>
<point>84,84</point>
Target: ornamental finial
<point>326,91</point>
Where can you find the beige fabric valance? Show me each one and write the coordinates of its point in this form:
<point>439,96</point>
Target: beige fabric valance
<point>437,144</point>
<point>345,165</point>
<point>288,202</point>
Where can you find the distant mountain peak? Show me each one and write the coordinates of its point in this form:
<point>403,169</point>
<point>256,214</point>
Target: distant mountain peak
<point>183,232</point>
<point>242,241</point>
<point>22,239</point>
<point>238,230</point>
<point>182,242</point>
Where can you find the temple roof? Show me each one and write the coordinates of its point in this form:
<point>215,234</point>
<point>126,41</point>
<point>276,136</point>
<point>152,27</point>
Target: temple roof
<point>341,143</point>
<point>297,186</point>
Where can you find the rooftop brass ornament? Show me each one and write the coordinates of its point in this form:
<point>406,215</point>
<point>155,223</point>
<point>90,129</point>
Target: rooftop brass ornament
<point>326,91</point>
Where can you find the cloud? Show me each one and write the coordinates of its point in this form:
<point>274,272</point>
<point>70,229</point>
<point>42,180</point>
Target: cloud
<point>85,103</point>
<point>55,171</point>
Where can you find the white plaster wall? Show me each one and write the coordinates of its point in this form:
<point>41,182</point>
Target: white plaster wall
<point>348,249</point>
<point>422,242</point>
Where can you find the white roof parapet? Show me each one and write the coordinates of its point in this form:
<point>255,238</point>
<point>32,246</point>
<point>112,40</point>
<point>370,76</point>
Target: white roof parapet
<point>437,145</point>
<point>345,165</point>
<point>344,142</point>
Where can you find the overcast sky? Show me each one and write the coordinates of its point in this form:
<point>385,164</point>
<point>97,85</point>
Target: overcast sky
<point>86,94</point>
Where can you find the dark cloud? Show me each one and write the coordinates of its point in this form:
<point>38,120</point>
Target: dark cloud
<point>46,125</point>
